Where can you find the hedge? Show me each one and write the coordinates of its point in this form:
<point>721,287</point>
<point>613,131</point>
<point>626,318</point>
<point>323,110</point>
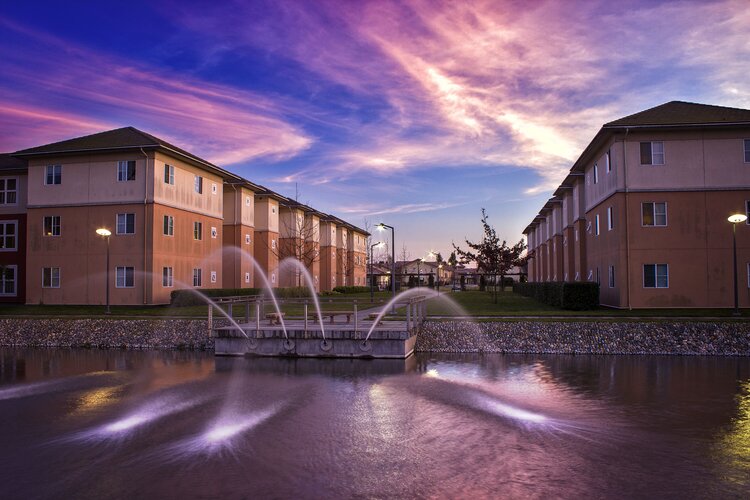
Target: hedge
<point>573,296</point>
<point>188,297</point>
<point>351,289</point>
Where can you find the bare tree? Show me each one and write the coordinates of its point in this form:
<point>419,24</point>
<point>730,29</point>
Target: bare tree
<point>301,242</point>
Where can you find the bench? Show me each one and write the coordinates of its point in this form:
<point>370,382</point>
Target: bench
<point>274,318</point>
<point>332,315</point>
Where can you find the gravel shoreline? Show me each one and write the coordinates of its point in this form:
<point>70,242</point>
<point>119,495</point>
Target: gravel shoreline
<point>678,338</point>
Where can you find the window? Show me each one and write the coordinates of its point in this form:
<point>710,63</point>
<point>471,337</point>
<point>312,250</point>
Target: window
<point>576,234</point>
<point>598,280</point>
<point>747,150</point>
<point>166,277</point>
<point>168,225</point>
<point>169,174</point>
<point>652,153</point>
<point>199,184</point>
<point>214,190</point>
<point>8,280</point>
<point>596,225</point>
<point>247,277</point>
<point>52,225</point>
<point>8,191</point>
<point>124,277</point>
<point>214,232</point>
<point>197,277</point>
<point>51,277</point>
<point>247,239</point>
<point>213,276</point>
<point>273,278</point>
<point>53,175</point>
<point>748,274</point>
<point>126,170</point>
<point>653,213</point>
<point>655,276</point>
<point>125,223</point>
<point>8,236</point>
<point>197,230</point>
<point>596,173</point>
<point>747,211</point>
<point>247,201</point>
<point>273,244</point>
<point>608,160</point>
<point>611,276</point>
<point>610,218</point>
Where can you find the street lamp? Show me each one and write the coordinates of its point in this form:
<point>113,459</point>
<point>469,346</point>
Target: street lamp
<point>106,233</point>
<point>735,219</point>
<point>419,275</point>
<point>381,227</point>
<point>440,267</point>
<point>372,275</point>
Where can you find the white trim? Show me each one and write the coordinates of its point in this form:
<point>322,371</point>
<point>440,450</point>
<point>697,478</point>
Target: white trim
<point>6,222</point>
<point>53,175</point>
<point>52,226</point>
<point>666,214</point>
<point>656,276</point>
<point>169,275</point>
<point>51,280</point>
<point>117,224</point>
<point>125,277</point>
<point>6,191</point>
<point>14,293</point>
<point>745,150</point>
<point>610,218</point>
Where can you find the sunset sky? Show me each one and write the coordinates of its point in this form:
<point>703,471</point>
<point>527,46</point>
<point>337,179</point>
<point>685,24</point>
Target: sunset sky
<point>416,113</point>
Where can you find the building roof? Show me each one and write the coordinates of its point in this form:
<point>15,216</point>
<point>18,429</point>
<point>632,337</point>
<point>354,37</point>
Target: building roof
<point>11,164</point>
<point>118,139</point>
<point>683,113</point>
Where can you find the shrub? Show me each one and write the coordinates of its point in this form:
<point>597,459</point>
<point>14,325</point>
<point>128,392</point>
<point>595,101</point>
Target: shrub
<point>189,297</point>
<point>572,296</point>
<point>352,289</point>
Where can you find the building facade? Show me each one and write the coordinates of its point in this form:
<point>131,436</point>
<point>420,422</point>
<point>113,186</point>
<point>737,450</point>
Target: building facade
<point>175,221</point>
<point>644,210</point>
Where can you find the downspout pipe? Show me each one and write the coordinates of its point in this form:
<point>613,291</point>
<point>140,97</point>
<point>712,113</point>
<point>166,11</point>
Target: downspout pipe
<point>627,211</point>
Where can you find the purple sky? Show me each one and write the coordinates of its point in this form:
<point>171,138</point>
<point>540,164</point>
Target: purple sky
<point>416,113</point>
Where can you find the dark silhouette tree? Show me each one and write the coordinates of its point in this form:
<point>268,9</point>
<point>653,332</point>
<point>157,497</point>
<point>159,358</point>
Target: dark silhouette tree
<point>493,257</point>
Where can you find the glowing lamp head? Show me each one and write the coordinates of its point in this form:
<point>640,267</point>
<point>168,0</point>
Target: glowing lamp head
<point>736,218</point>
<point>103,232</point>
<point>380,227</point>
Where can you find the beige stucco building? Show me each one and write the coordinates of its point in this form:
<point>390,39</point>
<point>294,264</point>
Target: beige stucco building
<point>176,221</point>
<point>644,210</point>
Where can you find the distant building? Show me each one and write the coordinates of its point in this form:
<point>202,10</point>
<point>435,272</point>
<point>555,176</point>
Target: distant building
<point>644,210</point>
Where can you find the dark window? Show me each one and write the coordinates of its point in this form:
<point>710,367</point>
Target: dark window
<point>747,150</point>
<point>52,225</point>
<point>652,153</point>
<point>54,174</point>
<point>51,277</point>
<point>8,235</point>
<point>655,276</point>
<point>125,277</point>
<point>8,191</point>
<point>168,174</point>
<point>198,184</point>
<point>654,213</point>
<point>168,225</point>
<point>126,170</point>
<point>125,223</point>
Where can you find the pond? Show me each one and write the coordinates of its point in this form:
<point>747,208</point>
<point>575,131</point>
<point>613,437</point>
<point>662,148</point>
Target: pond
<point>135,424</point>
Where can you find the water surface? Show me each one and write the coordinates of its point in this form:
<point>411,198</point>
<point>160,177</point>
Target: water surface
<point>116,424</point>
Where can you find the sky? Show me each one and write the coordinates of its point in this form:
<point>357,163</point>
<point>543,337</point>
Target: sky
<point>413,113</point>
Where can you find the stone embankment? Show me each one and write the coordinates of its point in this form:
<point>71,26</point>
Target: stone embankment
<point>106,333</point>
<point>682,338</point>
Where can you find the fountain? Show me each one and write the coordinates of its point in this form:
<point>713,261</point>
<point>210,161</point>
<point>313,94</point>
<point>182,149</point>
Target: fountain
<point>291,261</point>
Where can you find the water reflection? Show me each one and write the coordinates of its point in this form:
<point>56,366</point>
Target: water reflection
<point>187,424</point>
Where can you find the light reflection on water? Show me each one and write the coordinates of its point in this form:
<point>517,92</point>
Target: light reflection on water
<point>186,424</point>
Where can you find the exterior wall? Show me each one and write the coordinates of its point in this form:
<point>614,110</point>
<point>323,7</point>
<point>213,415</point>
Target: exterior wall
<point>312,248</point>
<point>608,249</point>
<point>80,254</point>
<point>357,257</point>
<point>16,212</point>
<point>569,254</point>
<point>238,235</point>
<point>328,255</point>
<point>265,250</point>
<point>579,240</point>
<point>342,253</point>
<point>182,193</point>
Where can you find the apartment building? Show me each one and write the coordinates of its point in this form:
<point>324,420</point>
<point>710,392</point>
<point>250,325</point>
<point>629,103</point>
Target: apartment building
<point>175,221</point>
<point>13,180</point>
<point>644,210</point>
<point>328,253</point>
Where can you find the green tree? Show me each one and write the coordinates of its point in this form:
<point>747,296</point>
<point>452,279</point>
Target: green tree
<point>493,257</point>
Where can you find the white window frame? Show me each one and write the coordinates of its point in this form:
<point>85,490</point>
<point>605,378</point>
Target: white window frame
<point>608,160</point>
<point>197,230</point>
<point>52,226</point>
<point>746,150</point>
<point>596,173</point>
<point>747,212</point>
<point>169,174</point>
<point>611,280</point>
<point>198,184</point>
<point>52,273</point>
<point>4,235</point>
<point>663,153</point>
<point>123,167</point>
<point>169,219</point>
<point>5,191</point>
<point>56,173</point>
<point>610,218</point>
<point>273,244</point>
<point>596,225</point>
<point>656,275</point>
<point>197,277</point>
<point>117,223</point>
<point>214,232</point>
<point>3,282</point>
<point>214,278</point>
<point>214,189</point>
<point>654,203</point>
<point>123,283</point>
<point>247,201</point>
<point>167,277</point>
<point>247,277</point>
<point>248,240</point>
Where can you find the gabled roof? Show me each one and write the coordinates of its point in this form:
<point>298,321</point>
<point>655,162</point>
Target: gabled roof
<point>683,113</point>
<point>119,139</point>
<point>10,164</point>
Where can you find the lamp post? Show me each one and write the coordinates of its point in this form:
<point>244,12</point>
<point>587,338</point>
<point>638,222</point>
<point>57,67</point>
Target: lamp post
<point>372,275</point>
<point>106,233</point>
<point>735,219</point>
<point>440,266</point>
<point>381,227</point>
<point>419,275</point>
